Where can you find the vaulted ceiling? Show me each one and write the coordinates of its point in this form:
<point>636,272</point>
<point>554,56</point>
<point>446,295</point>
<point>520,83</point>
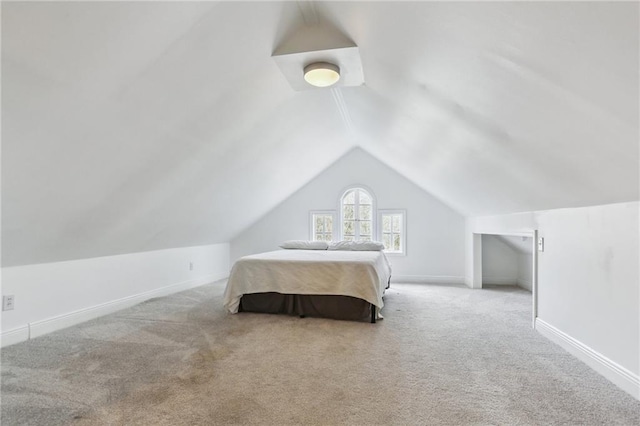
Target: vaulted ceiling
<point>147,125</point>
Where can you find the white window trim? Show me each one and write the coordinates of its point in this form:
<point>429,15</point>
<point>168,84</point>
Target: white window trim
<point>403,245</point>
<point>312,229</point>
<point>374,224</point>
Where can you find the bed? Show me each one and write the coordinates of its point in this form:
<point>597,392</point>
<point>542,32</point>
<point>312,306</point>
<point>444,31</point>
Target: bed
<point>337,284</point>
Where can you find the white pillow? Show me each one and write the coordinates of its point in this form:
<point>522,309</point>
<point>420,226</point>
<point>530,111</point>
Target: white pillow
<point>367,246</point>
<point>341,245</point>
<point>305,245</point>
<point>357,245</point>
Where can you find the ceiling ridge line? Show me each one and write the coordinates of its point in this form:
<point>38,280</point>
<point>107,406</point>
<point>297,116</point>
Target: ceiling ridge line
<point>342,109</point>
<point>308,11</point>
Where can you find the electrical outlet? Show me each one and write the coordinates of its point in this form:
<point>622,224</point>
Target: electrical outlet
<point>7,303</point>
<point>191,266</point>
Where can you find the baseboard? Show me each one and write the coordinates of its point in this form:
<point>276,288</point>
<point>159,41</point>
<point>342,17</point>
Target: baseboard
<point>17,335</point>
<point>499,281</point>
<point>620,376</point>
<point>49,325</point>
<point>427,279</point>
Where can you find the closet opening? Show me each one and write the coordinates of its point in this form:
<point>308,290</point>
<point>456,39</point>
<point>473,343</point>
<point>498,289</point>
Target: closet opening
<point>510,260</point>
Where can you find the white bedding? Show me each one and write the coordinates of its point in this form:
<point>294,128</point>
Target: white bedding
<point>361,274</point>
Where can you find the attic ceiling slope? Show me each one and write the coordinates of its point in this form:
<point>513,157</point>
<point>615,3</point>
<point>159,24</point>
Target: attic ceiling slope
<point>168,156</point>
<point>500,107</point>
<point>132,126</point>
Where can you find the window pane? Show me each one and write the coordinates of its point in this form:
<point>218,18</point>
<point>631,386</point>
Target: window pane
<point>386,240</point>
<point>350,198</point>
<point>365,228</point>
<point>348,228</point>
<point>386,223</point>
<point>349,238</point>
<point>349,212</point>
<point>364,198</point>
<point>397,223</point>
<point>322,226</point>
<point>392,231</point>
<point>365,238</point>
<point>365,213</point>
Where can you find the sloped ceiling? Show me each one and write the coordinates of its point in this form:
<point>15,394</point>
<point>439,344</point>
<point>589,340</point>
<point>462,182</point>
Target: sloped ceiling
<point>148,125</point>
<point>521,245</point>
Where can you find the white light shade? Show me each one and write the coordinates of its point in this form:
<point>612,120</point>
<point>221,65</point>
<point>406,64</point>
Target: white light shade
<point>321,74</point>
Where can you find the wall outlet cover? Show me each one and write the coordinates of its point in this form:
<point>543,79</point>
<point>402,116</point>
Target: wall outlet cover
<point>8,303</point>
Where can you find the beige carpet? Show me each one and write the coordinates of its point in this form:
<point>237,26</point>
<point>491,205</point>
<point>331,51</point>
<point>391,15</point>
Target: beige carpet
<point>443,355</point>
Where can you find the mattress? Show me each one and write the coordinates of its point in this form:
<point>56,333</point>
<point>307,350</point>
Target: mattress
<point>360,274</point>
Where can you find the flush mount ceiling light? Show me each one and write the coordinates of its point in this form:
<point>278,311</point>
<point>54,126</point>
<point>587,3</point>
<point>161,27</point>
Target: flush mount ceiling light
<point>298,55</point>
<point>321,74</point>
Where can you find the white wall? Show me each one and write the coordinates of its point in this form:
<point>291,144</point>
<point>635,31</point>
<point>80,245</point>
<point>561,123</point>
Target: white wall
<point>51,296</point>
<point>499,262</point>
<point>588,282</point>
<point>523,248</point>
<point>588,277</point>
<point>435,232</point>
<point>525,271</point>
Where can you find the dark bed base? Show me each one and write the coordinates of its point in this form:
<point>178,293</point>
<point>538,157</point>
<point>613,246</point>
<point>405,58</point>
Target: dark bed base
<point>324,306</point>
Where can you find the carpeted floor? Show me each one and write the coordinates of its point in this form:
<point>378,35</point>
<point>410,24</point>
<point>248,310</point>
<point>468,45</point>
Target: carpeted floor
<point>443,355</point>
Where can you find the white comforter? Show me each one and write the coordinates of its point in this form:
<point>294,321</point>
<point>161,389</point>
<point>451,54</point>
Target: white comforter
<point>361,274</point>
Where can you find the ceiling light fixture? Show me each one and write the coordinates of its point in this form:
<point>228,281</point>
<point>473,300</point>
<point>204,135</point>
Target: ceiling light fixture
<point>321,74</point>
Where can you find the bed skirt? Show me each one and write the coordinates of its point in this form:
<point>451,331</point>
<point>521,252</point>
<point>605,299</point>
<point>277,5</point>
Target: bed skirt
<point>323,306</point>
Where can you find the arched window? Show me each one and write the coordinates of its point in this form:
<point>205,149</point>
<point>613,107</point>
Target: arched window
<point>357,214</point>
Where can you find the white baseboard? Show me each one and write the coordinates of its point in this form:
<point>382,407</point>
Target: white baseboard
<point>620,376</point>
<point>14,336</point>
<point>427,279</point>
<point>49,325</point>
<point>499,280</point>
